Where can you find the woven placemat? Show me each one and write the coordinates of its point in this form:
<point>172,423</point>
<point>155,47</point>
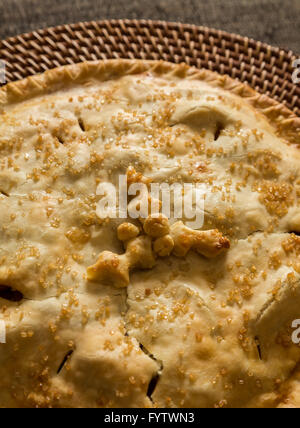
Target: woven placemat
<point>267,69</point>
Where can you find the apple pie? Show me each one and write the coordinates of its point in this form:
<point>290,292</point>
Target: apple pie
<point>147,312</point>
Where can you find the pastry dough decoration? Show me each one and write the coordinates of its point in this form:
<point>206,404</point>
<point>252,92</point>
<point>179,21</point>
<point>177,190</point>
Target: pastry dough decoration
<point>163,246</point>
<point>115,269</point>
<point>153,205</point>
<point>127,231</point>
<point>156,225</point>
<point>160,240</point>
<point>140,251</point>
<point>208,243</point>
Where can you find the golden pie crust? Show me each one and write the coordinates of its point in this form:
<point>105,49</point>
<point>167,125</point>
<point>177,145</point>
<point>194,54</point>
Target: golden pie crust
<point>188,327</point>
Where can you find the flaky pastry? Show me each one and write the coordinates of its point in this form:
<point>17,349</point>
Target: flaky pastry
<point>110,312</point>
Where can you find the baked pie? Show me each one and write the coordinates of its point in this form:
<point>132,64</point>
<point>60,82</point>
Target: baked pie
<point>147,312</point>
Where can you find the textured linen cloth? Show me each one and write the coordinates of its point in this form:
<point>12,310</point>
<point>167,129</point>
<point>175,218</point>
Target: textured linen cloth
<point>273,21</point>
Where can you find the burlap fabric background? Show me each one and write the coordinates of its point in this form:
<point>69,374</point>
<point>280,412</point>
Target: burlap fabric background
<point>273,21</point>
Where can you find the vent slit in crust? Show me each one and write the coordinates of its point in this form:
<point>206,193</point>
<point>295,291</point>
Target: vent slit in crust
<point>8,293</point>
<point>257,343</point>
<point>60,139</point>
<point>152,385</point>
<point>155,379</point>
<point>218,131</point>
<point>293,232</point>
<point>64,361</point>
<point>81,124</point>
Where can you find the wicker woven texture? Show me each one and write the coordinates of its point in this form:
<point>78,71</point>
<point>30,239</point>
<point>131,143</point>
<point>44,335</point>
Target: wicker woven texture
<point>267,69</point>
